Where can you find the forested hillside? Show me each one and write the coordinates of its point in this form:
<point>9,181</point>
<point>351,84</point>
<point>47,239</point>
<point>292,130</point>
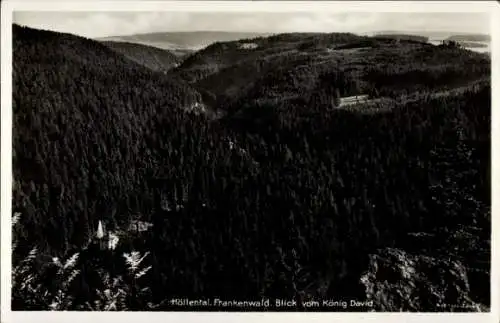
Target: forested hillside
<point>151,57</point>
<point>287,196</point>
<point>80,116</point>
<point>293,65</point>
<point>416,38</point>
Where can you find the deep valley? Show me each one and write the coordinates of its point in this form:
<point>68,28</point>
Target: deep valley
<point>294,166</point>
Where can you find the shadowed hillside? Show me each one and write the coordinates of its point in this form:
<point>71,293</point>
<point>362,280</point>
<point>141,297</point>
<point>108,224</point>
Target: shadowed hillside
<point>81,116</point>
<point>124,199</point>
<point>148,56</point>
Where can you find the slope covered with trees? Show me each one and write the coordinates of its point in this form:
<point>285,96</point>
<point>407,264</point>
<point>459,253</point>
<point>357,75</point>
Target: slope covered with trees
<point>422,39</point>
<point>292,65</point>
<point>151,57</point>
<point>282,198</point>
<point>81,113</point>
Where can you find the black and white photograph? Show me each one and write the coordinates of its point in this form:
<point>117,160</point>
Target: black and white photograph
<point>250,161</point>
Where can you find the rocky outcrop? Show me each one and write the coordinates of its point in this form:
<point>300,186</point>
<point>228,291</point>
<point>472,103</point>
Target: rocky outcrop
<point>399,281</point>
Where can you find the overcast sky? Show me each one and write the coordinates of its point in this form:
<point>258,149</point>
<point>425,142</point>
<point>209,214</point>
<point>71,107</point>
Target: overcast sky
<point>101,24</point>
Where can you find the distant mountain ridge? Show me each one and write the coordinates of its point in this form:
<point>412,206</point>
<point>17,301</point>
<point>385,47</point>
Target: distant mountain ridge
<point>436,34</point>
<point>183,43</point>
<point>186,40</point>
<point>470,38</point>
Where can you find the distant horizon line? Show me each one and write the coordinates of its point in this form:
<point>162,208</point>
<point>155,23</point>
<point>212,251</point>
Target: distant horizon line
<point>372,33</point>
<point>297,32</point>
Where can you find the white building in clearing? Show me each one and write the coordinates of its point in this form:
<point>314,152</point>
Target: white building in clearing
<point>139,226</point>
<point>106,239</point>
<point>100,230</point>
<point>248,45</point>
<point>349,100</point>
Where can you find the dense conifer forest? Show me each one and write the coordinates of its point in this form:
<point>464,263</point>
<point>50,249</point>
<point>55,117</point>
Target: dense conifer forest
<point>151,57</point>
<point>241,175</point>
